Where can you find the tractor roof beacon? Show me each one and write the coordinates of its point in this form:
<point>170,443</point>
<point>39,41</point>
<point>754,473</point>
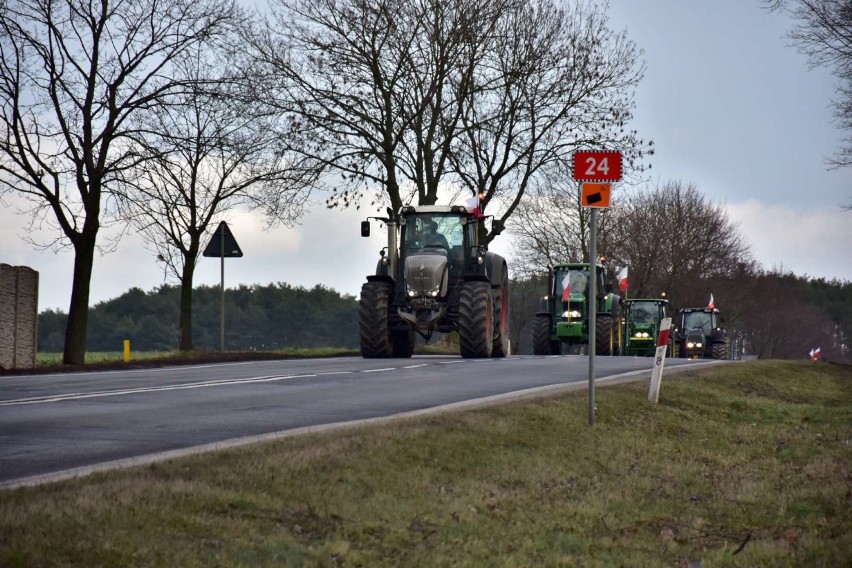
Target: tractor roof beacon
<point>435,274</point>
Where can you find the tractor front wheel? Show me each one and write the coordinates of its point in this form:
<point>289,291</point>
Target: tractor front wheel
<point>403,343</point>
<point>720,350</point>
<point>373,321</point>
<point>476,331</point>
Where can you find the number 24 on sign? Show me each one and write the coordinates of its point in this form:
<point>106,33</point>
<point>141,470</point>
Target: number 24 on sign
<point>597,166</point>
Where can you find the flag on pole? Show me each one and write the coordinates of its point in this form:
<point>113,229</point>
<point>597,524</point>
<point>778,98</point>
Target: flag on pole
<point>815,354</point>
<point>811,353</point>
<point>712,304</point>
<point>622,280</point>
<point>472,206</point>
<point>566,289</point>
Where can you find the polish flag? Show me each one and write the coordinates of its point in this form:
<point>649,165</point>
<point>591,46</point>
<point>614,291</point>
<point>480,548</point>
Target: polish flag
<point>472,206</point>
<point>622,280</point>
<point>815,354</point>
<point>712,304</point>
<point>566,289</point>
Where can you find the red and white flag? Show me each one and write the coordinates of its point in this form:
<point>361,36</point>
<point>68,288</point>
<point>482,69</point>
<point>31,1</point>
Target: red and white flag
<point>473,206</point>
<point>815,354</point>
<point>622,280</point>
<point>566,289</point>
<point>712,304</point>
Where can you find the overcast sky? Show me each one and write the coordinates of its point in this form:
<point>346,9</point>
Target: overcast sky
<point>730,107</point>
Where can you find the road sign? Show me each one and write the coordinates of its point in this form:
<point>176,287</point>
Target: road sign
<point>222,236</point>
<point>597,166</point>
<point>595,194</point>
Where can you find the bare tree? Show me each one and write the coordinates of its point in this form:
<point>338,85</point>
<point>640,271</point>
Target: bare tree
<point>550,226</point>
<point>205,152</point>
<point>674,239</point>
<point>555,79</point>
<point>73,74</point>
<point>405,98</point>
<point>824,34</point>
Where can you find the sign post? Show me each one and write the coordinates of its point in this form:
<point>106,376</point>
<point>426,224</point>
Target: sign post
<point>660,360</point>
<point>597,167</point>
<point>222,244</point>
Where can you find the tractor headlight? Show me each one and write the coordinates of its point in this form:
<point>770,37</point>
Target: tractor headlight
<point>689,345</point>
<point>479,259</point>
<point>435,291</point>
<point>642,334</point>
<point>699,344</point>
<point>571,314</point>
<point>411,293</point>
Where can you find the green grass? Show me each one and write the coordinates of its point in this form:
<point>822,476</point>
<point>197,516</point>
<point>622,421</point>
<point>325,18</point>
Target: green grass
<point>738,465</point>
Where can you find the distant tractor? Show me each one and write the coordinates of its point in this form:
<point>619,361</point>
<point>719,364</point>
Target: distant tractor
<point>435,275</point>
<point>699,333</point>
<point>642,319</point>
<point>564,317</point>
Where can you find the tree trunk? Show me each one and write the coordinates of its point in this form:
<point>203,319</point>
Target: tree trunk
<point>78,312</point>
<point>186,303</point>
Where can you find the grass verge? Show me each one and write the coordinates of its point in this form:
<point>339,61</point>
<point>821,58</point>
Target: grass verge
<point>738,465</point>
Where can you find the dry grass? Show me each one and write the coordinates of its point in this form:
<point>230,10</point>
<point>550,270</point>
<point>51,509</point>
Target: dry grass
<point>742,465</point>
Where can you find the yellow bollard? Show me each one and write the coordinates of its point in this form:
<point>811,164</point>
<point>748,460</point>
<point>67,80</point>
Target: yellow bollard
<point>127,351</point>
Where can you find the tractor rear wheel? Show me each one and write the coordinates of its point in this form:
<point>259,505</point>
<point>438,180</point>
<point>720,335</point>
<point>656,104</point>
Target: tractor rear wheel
<point>373,320</point>
<point>476,327</point>
<point>604,335</point>
<point>720,350</point>
<point>403,343</point>
<point>501,317</point>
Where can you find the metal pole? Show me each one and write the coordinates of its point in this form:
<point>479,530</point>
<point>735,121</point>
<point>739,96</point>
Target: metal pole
<point>222,290</point>
<point>593,311</point>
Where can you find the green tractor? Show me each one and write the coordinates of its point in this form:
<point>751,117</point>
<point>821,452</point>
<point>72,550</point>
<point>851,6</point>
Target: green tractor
<point>642,319</point>
<point>699,333</point>
<point>435,274</point>
<point>564,316</point>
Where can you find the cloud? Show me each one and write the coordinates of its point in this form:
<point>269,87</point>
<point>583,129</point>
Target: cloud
<point>814,243</point>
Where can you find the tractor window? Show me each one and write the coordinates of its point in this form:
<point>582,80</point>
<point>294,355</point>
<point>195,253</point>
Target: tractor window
<point>643,312</point>
<point>691,320</point>
<point>578,280</point>
<point>439,232</point>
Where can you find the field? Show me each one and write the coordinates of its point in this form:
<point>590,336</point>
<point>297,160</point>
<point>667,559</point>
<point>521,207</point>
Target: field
<point>740,465</point>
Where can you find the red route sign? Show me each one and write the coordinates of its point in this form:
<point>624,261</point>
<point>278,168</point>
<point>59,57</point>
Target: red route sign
<point>597,166</point>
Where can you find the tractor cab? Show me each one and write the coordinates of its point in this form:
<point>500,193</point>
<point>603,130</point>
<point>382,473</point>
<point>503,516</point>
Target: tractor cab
<point>642,320</point>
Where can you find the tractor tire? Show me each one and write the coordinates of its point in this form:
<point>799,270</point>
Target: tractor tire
<point>501,318</point>
<point>403,343</point>
<point>541,335</point>
<point>720,350</point>
<point>604,335</point>
<point>373,321</point>
<point>476,320</point>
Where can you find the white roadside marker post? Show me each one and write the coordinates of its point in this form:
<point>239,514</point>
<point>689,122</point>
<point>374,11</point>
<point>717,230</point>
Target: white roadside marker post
<point>659,360</point>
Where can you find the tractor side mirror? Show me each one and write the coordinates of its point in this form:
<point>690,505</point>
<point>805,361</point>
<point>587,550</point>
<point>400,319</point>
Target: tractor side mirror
<point>365,228</point>
<point>497,227</point>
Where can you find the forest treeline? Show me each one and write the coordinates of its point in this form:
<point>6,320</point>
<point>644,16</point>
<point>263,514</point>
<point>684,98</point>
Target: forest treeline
<point>257,317</point>
<point>771,314</point>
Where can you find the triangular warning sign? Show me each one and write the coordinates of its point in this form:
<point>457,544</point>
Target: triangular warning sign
<point>214,247</point>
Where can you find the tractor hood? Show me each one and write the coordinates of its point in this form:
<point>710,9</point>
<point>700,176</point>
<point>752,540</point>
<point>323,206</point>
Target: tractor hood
<point>426,275</point>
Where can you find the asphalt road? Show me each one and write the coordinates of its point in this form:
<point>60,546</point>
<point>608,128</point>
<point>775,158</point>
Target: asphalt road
<point>55,426</point>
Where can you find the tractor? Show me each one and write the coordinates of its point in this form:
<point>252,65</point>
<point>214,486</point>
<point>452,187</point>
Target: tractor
<point>435,275</point>
<point>699,333</point>
<point>642,319</point>
<point>564,316</point>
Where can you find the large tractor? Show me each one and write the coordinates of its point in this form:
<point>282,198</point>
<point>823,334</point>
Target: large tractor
<point>564,317</point>
<point>642,320</point>
<point>435,275</point>
<point>699,333</point>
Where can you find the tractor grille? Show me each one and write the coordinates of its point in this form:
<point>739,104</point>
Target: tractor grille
<point>424,272</point>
